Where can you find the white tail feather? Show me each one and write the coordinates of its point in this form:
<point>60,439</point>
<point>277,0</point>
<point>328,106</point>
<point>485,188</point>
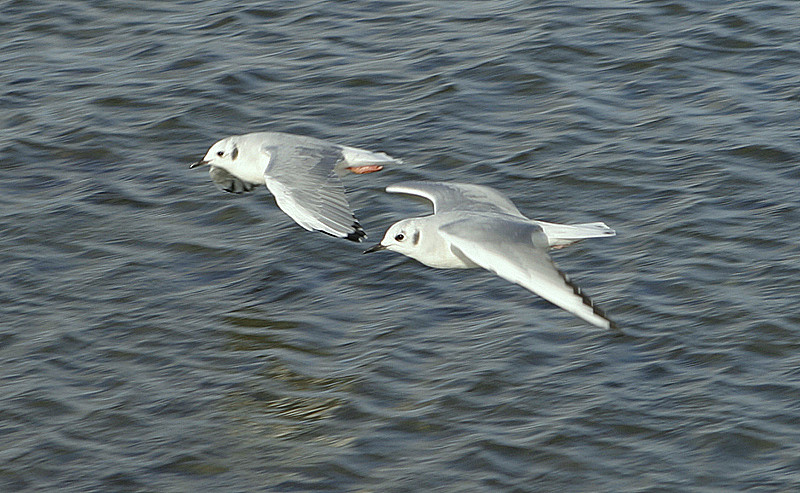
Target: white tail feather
<point>356,157</point>
<point>561,235</point>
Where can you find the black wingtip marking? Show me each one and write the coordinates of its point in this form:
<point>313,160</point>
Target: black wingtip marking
<point>357,235</point>
<point>588,301</point>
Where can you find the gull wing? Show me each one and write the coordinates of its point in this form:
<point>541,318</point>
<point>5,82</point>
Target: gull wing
<point>517,252</point>
<point>229,183</point>
<point>306,187</point>
<point>448,197</point>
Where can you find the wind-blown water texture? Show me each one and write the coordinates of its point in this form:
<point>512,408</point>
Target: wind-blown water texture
<point>157,335</point>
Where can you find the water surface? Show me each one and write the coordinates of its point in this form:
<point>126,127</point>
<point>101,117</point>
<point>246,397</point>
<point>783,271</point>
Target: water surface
<point>158,335</point>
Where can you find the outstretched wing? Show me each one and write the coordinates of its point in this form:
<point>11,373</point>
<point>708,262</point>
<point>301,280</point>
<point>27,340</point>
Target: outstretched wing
<point>517,252</point>
<point>229,183</point>
<point>448,197</point>
<point>306,187</point>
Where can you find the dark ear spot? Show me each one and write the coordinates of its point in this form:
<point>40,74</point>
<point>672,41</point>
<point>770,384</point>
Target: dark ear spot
<point>415,238</point>
<point>234,153</point>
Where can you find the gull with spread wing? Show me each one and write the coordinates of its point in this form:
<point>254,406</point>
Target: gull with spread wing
<point>303,173</point>
<point>475,226</point>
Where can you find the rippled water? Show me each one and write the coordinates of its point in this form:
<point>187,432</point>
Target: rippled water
<point>158,335</point>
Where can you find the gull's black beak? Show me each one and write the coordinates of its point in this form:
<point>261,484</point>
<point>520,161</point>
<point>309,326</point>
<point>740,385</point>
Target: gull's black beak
<point>375,248</point>
<point>202,162</point>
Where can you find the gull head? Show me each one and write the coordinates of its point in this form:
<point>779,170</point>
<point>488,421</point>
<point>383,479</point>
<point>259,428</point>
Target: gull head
<point>222,154</point>
<point>401,237</point>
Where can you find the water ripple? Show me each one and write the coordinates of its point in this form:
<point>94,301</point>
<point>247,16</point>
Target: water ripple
<point>160,335</point>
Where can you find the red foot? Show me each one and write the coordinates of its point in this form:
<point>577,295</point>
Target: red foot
<point>360,170</point>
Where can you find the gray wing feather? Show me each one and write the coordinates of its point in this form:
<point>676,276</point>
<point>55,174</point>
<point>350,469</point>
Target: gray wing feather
<point>448,197</point>
<point>229,183</point>
<point>517,252</point>
<point>305,185</point>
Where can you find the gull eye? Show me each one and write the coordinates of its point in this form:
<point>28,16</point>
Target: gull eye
<point>400,237</point>
<point>220,153</point>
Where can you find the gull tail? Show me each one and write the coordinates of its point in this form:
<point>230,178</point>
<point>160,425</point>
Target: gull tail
<point>354,157</point>
<point>561,235</point>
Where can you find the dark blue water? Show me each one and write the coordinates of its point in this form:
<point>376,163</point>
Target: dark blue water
<point>158,335</point>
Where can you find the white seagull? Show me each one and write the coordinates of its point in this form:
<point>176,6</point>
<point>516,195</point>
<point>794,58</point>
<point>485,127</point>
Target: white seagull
<point>475,226</point>
<point>301,172</point>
